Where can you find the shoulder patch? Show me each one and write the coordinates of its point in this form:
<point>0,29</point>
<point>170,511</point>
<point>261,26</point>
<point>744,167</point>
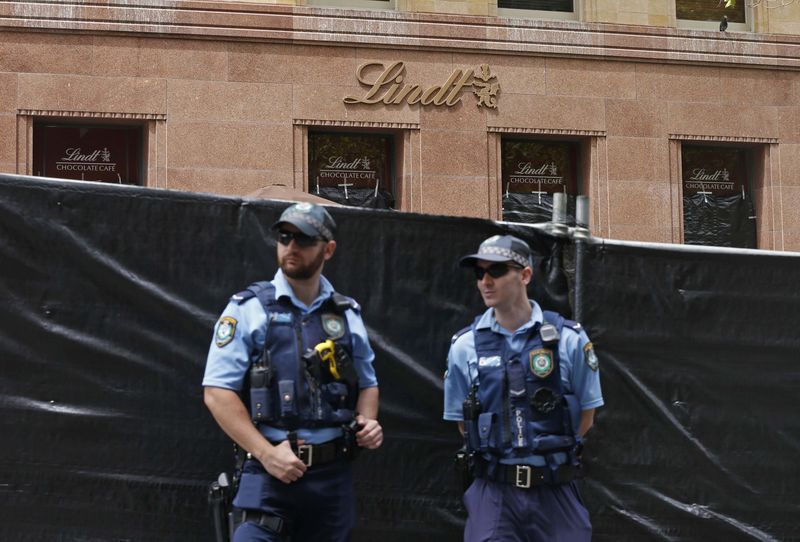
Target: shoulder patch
<point>226,329</point>
<point>590,357</point>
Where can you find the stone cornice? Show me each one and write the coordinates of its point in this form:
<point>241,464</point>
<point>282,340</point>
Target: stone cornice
<point>346,27</point>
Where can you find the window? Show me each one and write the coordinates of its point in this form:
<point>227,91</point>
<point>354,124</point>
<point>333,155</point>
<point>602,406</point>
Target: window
<point>539,5</point>
<point>717,204</point>
<point>540,9</point>
<point>702,12</point>
<point>352,169</point>
<point>354,4</point>
<point>88,152</point>
<point>532,171</point>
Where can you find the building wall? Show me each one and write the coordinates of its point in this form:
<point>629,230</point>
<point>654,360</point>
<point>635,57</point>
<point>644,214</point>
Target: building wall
<point>228,92</point>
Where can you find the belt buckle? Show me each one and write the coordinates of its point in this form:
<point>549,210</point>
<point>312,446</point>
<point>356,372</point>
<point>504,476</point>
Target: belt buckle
<point>523,477</point>
<point>305,452</point>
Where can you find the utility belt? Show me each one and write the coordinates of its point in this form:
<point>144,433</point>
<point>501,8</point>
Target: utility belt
<point>526,476</point>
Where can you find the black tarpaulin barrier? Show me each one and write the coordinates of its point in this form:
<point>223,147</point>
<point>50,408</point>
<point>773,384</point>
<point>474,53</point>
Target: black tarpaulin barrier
<point>701,365</point>
<point>111,294</point>
<point>724,221</point>
<point>534,208</point>
<point>358,197</point>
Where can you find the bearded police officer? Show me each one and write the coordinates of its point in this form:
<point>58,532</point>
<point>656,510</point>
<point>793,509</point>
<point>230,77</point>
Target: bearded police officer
<point>523,385</point>
<point>289,378</point>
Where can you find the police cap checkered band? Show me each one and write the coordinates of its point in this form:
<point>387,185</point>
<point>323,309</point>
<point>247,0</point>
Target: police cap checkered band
<point>310,219</point>
<point>500,248</point>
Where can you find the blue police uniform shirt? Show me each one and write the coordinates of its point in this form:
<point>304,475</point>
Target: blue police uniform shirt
<point>577,376</point>
<point>227,365</point>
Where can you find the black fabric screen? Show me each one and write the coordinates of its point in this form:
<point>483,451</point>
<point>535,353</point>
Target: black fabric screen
<point>534,208</point>
<point>111,294</point>
<point>725,221</point>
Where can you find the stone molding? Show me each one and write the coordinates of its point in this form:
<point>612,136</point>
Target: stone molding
<point>96,115</point>
<point>443,32</point>
<point>546,131</point>
<point>357,124</point>
<point>724,139</point>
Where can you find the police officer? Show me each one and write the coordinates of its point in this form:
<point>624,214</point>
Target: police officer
<point>523,385</point>
<point>298,353</point>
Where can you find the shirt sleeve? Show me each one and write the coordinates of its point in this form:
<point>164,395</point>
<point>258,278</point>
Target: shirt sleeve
<point>238,338</point>
<point>456,378</point>
<point>363,355</point>
<point>584,372</point>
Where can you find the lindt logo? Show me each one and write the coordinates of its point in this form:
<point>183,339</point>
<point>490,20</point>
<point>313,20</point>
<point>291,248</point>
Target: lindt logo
<point>699,174</point>
<point>338,162</point>
<point>526,168</point>
<point>75,155</point>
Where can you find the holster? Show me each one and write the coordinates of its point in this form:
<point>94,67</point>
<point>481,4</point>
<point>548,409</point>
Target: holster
<point>465,464</point>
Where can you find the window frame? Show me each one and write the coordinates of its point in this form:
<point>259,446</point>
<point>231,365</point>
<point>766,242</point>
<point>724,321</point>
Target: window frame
<point>41,123</point>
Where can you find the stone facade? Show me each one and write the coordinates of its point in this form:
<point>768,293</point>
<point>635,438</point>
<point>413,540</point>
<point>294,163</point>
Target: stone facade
<point>227,92</point>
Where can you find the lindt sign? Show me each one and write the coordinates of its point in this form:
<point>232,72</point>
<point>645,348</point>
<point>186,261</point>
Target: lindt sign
<point>74,159</point>
<point>339,168</point>
<point>389,87</point>
<point>546,174</point>
<point>703,180</point>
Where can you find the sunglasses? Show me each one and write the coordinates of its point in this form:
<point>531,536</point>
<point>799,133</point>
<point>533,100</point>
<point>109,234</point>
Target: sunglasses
<point>496,270</point>
<point>301,239</point>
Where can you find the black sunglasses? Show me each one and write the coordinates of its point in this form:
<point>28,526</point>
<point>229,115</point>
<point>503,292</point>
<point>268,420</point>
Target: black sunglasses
<point>301,239</point>
<point>496,270</point>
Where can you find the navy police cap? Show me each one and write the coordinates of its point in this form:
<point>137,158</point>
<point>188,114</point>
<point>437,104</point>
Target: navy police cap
<point>500,248</point>
<point>310,219</point>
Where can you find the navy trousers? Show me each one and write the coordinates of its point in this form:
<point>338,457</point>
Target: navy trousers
<point>500,512</point>
<point>319,507</point>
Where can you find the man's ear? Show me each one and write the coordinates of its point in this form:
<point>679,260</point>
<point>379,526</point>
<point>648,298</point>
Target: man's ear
<point>330,248</point>
<point>527,274</point>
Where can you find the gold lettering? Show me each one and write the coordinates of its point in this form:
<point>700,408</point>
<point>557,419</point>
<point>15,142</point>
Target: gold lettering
<point>455,94</point>
<point>390,87</point>
<point>439,99</point>
<point>428,95</point>
<point>389,74</point>
<point>413,93</point>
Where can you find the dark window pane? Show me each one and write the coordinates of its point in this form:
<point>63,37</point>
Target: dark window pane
<point>542,5</point>
<point>84,152</point>
<point>717,207</point>
<point>532,172</point>
<point>709,10</point>
<point>352,169</point>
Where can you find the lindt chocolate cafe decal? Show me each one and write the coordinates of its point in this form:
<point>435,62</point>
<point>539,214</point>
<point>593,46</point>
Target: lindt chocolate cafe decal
<point>717,207</point>
<point>532,172</point>
<point>103,153</point>
<point>352,169</point>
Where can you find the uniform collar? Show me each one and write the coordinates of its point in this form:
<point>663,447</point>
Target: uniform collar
<point>284,289</point>
<point>488,321</point>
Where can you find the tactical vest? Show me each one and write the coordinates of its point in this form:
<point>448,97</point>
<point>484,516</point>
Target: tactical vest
<point>522,409</point>
<point>297,392</point>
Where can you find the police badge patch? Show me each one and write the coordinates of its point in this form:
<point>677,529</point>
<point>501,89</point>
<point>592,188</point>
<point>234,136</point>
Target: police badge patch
<point>590,357</point>
<point>226,328</point>
<point>541,362</point>
<point>333,324</point>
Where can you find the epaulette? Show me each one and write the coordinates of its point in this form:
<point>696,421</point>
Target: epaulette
<point>572,324</point>
<point>252,291</point>
<point>459,333</point>
<point>242,296</point>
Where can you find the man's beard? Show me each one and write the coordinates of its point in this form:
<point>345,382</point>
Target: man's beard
<point>303,272</point>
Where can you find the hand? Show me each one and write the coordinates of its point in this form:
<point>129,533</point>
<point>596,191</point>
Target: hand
<point>283,464</point>
<point>371,434</point>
